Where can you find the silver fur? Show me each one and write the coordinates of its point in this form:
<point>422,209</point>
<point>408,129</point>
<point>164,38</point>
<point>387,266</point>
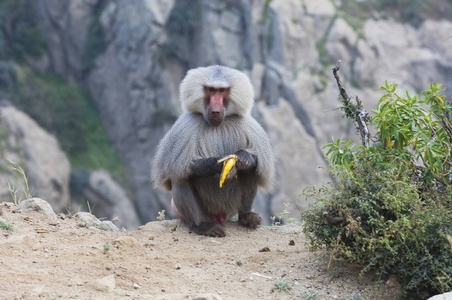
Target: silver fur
<point>192,138</point>
<point>192,94</point>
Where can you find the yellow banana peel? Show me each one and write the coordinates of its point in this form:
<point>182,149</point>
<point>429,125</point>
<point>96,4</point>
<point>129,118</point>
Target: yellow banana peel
<point>228,163</point>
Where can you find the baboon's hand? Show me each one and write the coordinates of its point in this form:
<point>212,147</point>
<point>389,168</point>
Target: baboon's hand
<point>245,161</point>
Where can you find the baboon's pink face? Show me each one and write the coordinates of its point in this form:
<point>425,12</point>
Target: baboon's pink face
<point>216,101</point>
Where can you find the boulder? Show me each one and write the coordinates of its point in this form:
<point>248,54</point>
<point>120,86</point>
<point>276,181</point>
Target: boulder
<point>39,154</point>
<point>108,199</point>
<point>37,204</point>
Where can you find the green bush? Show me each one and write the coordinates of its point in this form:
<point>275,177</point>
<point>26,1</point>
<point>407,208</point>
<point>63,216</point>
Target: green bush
<point>392,200</point>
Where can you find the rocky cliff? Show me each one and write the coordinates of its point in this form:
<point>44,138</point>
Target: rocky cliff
<point>132,55</point>
<point>26,145</point>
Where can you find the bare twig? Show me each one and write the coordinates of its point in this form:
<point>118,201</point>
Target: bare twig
<point>342,91</point>
<point>352,111</point>
<point>446,125</point>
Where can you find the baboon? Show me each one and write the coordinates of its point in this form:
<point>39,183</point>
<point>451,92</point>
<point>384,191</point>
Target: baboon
<point>216,122</point>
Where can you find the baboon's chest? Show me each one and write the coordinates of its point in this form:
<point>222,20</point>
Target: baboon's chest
<point>221,141</point>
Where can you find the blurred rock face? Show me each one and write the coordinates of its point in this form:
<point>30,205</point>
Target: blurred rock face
<point>147,46</point>
<point>39,154</point>
<point>110,200</point>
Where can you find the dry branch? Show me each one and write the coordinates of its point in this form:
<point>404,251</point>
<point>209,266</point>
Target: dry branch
<point>353,111</point>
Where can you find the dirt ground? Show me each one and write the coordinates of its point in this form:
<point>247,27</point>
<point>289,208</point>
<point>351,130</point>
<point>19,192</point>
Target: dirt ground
<point>68,259</point>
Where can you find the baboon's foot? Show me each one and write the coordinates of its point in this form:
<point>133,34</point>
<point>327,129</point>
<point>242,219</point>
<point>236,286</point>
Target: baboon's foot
<point>251,220</point>
<point>209,229</point>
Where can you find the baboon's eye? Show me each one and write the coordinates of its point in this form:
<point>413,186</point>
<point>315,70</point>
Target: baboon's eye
<point>211,89</point>
<point>221,90</point>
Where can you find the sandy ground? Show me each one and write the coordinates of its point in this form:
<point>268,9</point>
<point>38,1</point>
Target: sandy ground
<point>68,259</point>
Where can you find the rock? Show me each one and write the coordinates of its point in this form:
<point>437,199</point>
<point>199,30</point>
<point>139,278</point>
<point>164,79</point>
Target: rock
<point>138,87</point>
<point>320,7</point>
<point>286,46</point>
<point>445,296</point>
<point>340,45</point>
<point>37,204</point>
<point>393,283</point>
<point>90,219</point>
<point>257,75</point>
<point>231,21</point>
<point>292,36</point>
<point>86,217</point>
<point>321,13</point>
<point>110,200</point>
<point>65,26</point>
<point>8,75</point>
<point>136,286</point>
<point>108,225</point>
<point>39,154</point>
<point>293,145</point>
<point>272,86</point>
<point>105,284</point>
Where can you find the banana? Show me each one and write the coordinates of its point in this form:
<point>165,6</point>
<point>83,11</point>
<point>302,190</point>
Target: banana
<point>228,165</point>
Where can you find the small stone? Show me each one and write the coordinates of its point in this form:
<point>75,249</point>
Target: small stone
<point>177,267</point>
<point>392,282</point>
<point>108,225</point>
<point>37,204</point>
<point>136,286</point>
